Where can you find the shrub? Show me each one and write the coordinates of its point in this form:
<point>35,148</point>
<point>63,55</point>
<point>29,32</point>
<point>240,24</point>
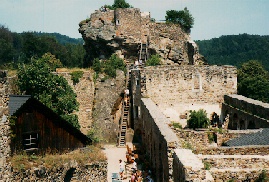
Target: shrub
<point>183,17</point>
<point>198,119</point>
<point>96,66</point>
<point>154,60</point>
<point>177,125</point>
<point>76,75</point>
<point>207,165</point>
<point>262,177</point>
<point>210,137</point>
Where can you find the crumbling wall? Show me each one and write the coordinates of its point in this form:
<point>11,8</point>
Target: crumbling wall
<point>245,113</point>
<point>71,171</point>
<point>128,23</point>
<point>188,167</point>
<point>173,85</point>
<point>4,128</point>
<point>85,97</point>
<point>158,139</point>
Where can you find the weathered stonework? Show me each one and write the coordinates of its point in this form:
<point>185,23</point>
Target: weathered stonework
<point>122,31</point>
<point>4,128</point>
<point>170,85</point>
<point>71,171</point>
<point>245,113</point>
<point>85,96</point>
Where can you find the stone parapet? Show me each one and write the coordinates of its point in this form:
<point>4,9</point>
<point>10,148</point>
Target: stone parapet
<point>188,167</point>
<point>251,106</point>
<point>159,140</point>
<point>245,150</point>
<point>170,85</point>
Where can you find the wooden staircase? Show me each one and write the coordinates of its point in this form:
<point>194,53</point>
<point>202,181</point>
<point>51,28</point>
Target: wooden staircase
<point>143,52</point>
<point>125,116</point>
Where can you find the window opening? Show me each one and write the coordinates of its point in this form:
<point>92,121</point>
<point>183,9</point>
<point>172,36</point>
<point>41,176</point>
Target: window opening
<point>30,141</point>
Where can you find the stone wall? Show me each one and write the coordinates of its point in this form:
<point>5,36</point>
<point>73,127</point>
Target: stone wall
<point>245,113</point>
<point>187,167</point>
<point>237,167</point>
<point>128,23</point>
<point>246,150</point>
<point>158,139</point>
<point>4,128</point>
<point>85,96</point>
<point>67,172</point>
<point>170,85</point>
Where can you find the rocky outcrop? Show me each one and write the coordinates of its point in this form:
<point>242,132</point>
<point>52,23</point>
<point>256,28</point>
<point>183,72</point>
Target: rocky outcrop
<point>107,92</point>
<point>122,31</point>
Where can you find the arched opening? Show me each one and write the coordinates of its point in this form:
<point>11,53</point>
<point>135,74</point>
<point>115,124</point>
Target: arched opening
<point>69,174</point>
<point>251,125</point>
<point>233,123</point>
<point>242,125</point>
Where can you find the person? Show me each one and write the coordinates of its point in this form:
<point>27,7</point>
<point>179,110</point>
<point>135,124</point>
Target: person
<point>126,92</point>
<point>149,179</point>
<point>133,177</point>
<point>122,166</point>
<point>134,166</point>
<point>136,64</point>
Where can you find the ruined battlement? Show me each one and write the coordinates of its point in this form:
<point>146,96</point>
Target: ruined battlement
<point>248,105</point>
<point>171,85</point>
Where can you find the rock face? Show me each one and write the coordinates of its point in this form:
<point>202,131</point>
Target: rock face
<point>122,31</point>
<point>96,99</point>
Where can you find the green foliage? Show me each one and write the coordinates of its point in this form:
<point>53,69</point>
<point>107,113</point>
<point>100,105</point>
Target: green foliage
<point>263,177</point>
<point>96,66</point>
<point>109,66</point>
<point>236,49</point>
<point>154,60</point>
<point>187,145</point>
<point>51,60</point>
<point>22,47</point>
<point>198,119</point>
<point>207,165</point>
<point>210,137</point>
<point>37,80</point>
<point>119,4</point>
<point>183,17</point>
<point>76,75</point>
<point>177,125</point>
<point>93,136</point>
<point>253,81</point>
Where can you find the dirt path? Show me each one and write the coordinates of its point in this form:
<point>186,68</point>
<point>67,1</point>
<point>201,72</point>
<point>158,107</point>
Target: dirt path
<point>113,155</point>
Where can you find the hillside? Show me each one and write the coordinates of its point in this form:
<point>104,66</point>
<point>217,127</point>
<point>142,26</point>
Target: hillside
<point>61,39</point>
<point>22,47</point>
<point>236,49</point>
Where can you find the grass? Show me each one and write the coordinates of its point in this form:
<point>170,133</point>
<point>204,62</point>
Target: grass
<point>84,156</point>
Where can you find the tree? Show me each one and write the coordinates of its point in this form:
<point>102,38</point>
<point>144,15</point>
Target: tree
<point>253,81</point>
<point>52,90</point>
<point>6,45</point>
<point>198,119</point>
<point>183,17</point>
<point>121,4</point>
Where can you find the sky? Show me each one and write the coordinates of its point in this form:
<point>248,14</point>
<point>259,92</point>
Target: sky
<point>212,18</point>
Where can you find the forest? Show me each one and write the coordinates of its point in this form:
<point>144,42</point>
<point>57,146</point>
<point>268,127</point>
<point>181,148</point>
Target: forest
<point>250,54</point>
<point>236,49</point>
<point>18,48</point>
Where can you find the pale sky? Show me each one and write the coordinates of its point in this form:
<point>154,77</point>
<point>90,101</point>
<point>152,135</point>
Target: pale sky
<point>213,18</point>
